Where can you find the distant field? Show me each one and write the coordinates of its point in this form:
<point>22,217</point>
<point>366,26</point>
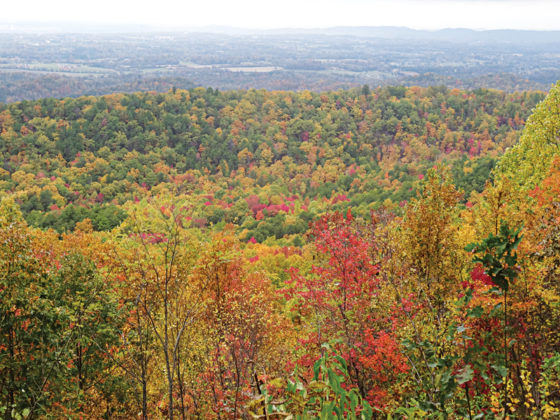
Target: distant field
<point>315,61</point>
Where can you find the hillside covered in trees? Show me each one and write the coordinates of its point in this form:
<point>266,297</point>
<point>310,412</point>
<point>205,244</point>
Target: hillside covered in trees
<point>252,254</point>
<point>268,162</point>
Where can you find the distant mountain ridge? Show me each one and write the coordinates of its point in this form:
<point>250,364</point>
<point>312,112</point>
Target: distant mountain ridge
<point>386,32</point>
<point>448,34</point>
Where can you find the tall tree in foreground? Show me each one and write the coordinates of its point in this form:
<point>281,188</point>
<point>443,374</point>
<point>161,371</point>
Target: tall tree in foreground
<point>246,338</point>
<point>58,320</point>
<point>25,339</point>
<point>340,304</point>
<point>162,253</point>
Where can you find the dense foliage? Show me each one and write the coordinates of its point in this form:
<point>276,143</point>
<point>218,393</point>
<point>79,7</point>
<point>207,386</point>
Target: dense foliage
<point>267,162</point>
<point>251,255</point>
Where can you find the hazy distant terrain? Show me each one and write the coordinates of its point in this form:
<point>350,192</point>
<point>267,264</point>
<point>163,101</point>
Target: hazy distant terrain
<point>51,63</point>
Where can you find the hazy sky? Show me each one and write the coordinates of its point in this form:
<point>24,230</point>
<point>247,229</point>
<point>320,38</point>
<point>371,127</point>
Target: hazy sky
<point>420,14</point>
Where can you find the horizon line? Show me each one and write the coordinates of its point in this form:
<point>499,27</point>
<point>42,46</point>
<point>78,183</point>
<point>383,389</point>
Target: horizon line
<point>28,26</point>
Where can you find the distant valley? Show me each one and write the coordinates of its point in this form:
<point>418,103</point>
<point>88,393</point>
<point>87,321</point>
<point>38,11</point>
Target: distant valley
<point>38,62</point>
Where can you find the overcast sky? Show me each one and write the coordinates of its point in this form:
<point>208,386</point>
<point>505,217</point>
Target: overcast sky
<point>419,14</point>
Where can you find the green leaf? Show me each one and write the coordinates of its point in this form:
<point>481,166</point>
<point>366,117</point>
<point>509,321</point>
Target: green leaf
<point>471,247</point>
<point>500,369</point>
<point>367,412</point>
<point>326,412</point>
<point>334,381</point>
<point>342,362</point>
<point>338,411</point>
<point>316,369</point>
<point>475,312</point>
<point>465,375</point>
<point>353,400</point>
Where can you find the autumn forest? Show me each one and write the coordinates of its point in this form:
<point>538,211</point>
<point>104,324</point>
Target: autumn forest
<point>389,252</point>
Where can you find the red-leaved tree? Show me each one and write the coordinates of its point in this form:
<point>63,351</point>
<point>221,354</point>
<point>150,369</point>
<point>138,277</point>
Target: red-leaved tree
<point>337,300</point>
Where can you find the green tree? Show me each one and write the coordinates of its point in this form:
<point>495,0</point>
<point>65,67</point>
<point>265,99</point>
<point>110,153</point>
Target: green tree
<point>528,162</point>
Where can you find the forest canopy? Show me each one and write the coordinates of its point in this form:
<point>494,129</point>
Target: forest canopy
<point>251,158</point>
